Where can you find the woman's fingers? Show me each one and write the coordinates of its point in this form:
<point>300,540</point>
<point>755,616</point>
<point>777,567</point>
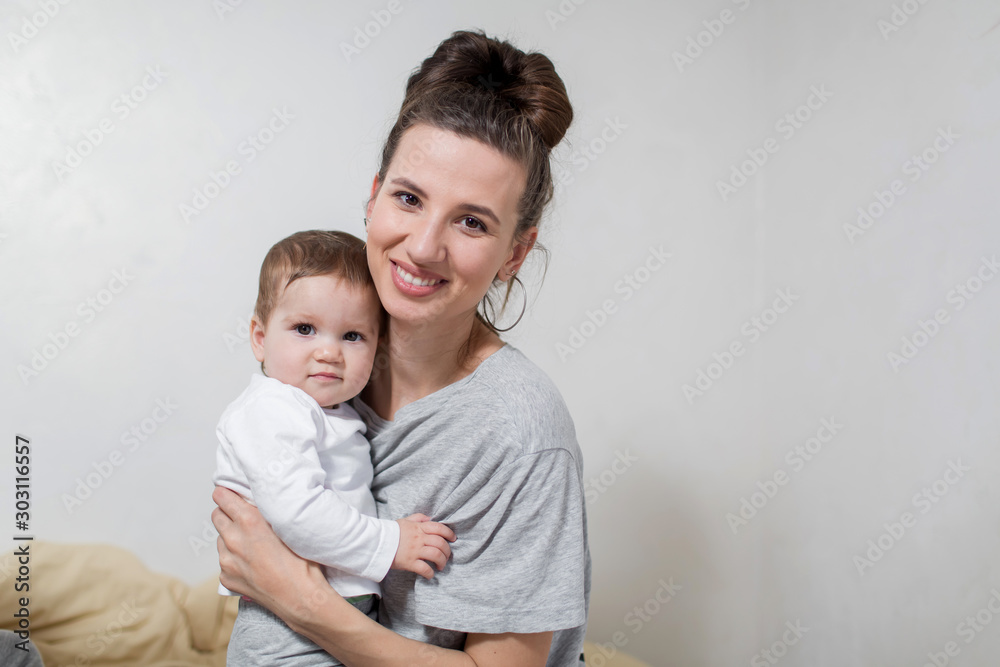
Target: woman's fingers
<point>226,517</point>
<point>221,520</point>
<point>230,503</point>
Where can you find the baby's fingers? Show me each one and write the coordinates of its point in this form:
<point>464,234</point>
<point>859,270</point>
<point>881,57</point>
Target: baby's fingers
<point>438,544</point>
<point>434,555</point>
<point>423,569</point>
<point>435,528</point>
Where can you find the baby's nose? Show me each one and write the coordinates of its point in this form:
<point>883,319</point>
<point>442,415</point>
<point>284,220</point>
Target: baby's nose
<point>329,351</point>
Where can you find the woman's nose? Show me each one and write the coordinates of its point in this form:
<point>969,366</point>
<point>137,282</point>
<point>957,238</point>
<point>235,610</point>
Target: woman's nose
<point>426,242</point>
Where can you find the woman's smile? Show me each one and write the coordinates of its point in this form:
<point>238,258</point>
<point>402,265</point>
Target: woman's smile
<point>414,282</point>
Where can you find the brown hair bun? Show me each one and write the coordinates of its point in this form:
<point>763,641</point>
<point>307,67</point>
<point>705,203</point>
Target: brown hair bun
<point>528,82</point>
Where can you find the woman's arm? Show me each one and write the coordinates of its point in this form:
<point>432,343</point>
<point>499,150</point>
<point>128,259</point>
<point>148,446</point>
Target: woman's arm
<point>256,563</point>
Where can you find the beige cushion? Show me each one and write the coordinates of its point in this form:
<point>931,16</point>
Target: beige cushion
<point>99,605</point>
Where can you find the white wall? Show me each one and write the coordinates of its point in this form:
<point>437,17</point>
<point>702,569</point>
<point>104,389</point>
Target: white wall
<point>169,334</point>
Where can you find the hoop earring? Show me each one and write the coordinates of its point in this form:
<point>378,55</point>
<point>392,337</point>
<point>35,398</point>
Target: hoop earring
<point>488,305</point>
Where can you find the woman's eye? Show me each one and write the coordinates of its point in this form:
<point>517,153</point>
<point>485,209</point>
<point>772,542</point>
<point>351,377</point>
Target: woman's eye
<point>353,336</point>
<point>304,329</point>
<point>473,223</point>
<point>408,199</point>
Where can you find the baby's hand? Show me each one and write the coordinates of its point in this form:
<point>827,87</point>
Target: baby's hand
<point>421,539</point>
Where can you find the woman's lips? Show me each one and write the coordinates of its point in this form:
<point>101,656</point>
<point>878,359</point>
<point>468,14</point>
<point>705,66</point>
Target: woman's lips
<point>413,282</point>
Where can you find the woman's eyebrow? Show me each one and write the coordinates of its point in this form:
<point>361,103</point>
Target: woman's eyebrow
<point>481,210</point>
<point>409,185</point>
<point>484,211</point>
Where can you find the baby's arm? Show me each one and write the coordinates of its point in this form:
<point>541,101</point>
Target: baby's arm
<point>273,441</point>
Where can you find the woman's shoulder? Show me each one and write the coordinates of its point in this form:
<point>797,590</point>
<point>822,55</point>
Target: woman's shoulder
<point>510,371</point>
<point>528,399</point>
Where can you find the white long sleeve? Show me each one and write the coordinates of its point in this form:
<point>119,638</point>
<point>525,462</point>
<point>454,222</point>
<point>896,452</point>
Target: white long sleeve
<point>309,472</point>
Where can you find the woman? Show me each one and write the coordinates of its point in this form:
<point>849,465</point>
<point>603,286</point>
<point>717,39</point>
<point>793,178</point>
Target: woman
<point>463,427</point>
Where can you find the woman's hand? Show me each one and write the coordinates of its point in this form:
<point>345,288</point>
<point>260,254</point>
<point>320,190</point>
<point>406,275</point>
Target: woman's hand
<point>256,563</point>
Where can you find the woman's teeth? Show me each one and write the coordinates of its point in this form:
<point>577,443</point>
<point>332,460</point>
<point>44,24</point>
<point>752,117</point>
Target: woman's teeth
<point>409,278</point>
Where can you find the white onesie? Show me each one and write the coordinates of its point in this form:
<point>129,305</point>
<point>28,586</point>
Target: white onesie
<point>308,470</point>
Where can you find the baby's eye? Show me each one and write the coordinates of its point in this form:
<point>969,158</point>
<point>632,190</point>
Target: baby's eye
<point>304,329</point>
<point>353,336</point>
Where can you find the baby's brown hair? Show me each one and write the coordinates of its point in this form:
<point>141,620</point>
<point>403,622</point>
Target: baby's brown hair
<point>312,253</point>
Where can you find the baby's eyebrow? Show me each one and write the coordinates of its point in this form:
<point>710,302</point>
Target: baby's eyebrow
<point>362,327</point>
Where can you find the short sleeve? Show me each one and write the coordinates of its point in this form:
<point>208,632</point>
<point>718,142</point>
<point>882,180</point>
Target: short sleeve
<point>519,561</point>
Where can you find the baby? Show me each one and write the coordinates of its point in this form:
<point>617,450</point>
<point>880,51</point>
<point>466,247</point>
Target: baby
<point>292,446</point>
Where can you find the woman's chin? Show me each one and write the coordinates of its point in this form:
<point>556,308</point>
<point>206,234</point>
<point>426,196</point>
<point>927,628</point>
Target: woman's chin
<point>431,315</point>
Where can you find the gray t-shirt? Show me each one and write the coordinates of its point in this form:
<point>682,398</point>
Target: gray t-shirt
<point>495,457</point>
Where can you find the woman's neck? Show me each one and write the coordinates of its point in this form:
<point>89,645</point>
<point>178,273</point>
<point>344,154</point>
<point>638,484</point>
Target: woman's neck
<point>418,360</point>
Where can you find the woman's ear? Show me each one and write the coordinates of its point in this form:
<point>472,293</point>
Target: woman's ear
<point>517,253</point>
<point>371,199</point>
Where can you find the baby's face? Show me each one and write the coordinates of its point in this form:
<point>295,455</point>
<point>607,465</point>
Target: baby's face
<point>321,338</point>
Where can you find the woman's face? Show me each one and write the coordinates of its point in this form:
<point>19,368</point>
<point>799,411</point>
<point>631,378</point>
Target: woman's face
<point>441,226</point>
